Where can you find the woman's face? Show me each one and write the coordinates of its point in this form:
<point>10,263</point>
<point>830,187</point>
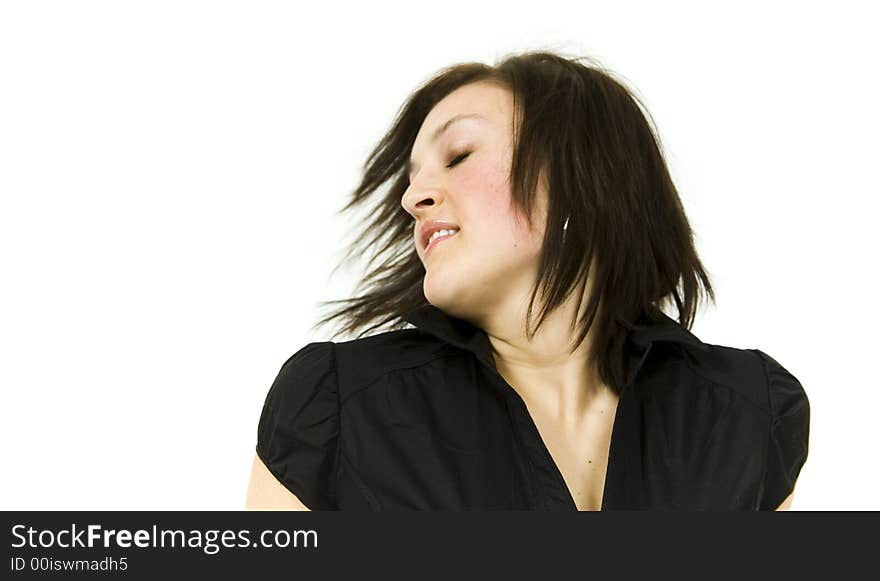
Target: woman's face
<point>462,178</point>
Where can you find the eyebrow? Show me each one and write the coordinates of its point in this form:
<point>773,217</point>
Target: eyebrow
<point>411,165</point>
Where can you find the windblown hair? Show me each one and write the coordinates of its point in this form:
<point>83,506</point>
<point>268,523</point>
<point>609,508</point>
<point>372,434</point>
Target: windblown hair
<point>584,135</point>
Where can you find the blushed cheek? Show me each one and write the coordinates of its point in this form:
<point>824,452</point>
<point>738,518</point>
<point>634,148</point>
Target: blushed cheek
<point>489,201</point>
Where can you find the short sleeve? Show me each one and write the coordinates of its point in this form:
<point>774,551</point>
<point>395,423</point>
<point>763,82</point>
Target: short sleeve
<point>298,430</point>
<point>789,433</point>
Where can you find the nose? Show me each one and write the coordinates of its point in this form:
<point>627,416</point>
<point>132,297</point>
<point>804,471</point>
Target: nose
<point>418,199</point>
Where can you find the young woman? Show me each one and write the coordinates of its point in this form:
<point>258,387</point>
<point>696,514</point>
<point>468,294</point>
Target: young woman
<point>531,236</point>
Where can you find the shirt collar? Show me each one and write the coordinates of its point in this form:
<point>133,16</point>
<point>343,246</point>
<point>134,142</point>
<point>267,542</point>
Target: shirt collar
<point>463,334</point>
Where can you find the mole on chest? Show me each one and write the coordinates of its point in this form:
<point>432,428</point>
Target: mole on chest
<point>581,457</point>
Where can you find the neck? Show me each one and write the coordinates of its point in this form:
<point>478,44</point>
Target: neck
<point>560,384</point>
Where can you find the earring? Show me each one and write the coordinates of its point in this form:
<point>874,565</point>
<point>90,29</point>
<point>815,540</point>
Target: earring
<point>565,226</point>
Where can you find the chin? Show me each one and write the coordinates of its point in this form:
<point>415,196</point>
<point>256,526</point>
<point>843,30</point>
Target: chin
<point>439,295</point>
<point>442,292</point>
<point>453,300</point>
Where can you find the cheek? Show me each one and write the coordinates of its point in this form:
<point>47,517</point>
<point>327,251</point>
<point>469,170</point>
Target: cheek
<point>489,206</point>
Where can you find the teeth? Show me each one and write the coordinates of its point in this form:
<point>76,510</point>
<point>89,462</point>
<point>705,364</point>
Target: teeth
<point>442,233</point>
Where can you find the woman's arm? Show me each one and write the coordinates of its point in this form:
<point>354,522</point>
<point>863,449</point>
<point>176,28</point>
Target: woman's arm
<point>786,503</point>
<point>265,492</point>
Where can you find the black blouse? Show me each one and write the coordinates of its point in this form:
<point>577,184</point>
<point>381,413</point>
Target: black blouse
<point>419,419</point>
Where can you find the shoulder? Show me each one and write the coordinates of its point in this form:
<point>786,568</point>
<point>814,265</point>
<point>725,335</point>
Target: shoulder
<point>749,374</point>
<point>361,362</point>
<point>346,367</point>
<point>743,409</point>
<point>740,371</point>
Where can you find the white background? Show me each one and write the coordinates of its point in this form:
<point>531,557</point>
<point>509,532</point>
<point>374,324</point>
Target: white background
<point>170,174</point>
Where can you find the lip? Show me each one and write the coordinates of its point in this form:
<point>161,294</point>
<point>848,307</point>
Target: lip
<point>431,226</point>
<point>438,240</point>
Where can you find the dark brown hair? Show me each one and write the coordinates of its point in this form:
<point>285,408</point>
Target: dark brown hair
<point>584,134</point>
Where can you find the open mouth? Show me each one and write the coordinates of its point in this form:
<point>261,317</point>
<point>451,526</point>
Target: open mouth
<point>440,236</point>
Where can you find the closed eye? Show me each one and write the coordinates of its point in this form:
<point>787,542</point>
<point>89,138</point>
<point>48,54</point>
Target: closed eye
<point>458,159</point>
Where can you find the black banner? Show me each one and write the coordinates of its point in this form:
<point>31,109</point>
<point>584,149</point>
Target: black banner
<point>150,545</point>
